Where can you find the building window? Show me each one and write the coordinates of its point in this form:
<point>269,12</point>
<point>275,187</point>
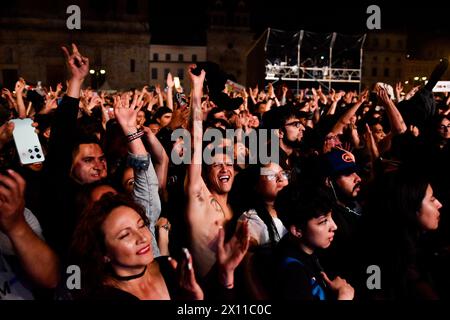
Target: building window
<point>386,59</point>
<point>180,74</point>
<point>374,72</point>
<point>399,73</point>
<point>400,44</point>
<point>180,57</point>
<point>155,57</point>
<point>375,58</point>
<point>194,58</point>
<point>388,43</point>
<point>154,73</point>
<point>168,57</point>
<point>386,72</point>
<point>8,57</point>
<point>132,65</point>
<point>132,7</point>
<point>166,72</point>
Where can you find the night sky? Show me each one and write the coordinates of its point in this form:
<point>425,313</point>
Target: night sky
<point>187,20</point>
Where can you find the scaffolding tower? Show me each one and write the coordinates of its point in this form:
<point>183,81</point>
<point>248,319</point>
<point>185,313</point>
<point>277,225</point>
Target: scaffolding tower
<point>300,56</point>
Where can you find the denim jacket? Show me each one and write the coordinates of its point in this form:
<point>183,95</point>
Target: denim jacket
<point>145,191</point>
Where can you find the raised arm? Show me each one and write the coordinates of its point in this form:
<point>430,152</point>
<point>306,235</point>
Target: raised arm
<point>159,158</point>
<point>12,103</point>
<point>194,172</point>
<point>398,91</point>
<point>21,109</point>
<point>398,126</point>
<point>39,262</point>
<point>283,97</point>
<point>160,97</point>
<point>170,85</point>
<point>65,122</point>
<point>345,118</point>
<point>78,67</point>
<point>145,190</point>
<point>335,97</point>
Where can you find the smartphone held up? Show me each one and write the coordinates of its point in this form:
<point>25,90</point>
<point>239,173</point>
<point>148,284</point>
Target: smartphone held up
<point>27,142</point>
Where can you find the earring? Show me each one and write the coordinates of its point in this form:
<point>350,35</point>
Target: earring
<point>106,259</point>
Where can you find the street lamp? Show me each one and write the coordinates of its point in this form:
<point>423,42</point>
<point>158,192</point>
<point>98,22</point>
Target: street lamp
<point>98,77</point>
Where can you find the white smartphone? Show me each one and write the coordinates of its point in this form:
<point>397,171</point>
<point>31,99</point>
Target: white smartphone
<point>176,81</point>
<point>27,141</point>
<point>442,86</point>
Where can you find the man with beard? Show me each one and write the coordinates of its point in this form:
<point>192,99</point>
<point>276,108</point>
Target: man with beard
<point>339,171</point>
<point>290,132</point>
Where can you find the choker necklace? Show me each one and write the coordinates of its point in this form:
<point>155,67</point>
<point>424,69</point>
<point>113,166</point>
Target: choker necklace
<point>128,278</point>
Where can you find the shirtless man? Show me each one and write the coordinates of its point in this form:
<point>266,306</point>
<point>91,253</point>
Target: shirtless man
<point>207,203</point>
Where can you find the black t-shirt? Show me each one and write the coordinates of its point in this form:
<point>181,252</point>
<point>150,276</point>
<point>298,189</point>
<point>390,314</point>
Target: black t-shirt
<point>298,274</point>
<point>112,293</point>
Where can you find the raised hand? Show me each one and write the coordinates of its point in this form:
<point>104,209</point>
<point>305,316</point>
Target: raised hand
<point>270,91</point>
<point>158,89</point>
<point>364,96</point>
<point>6,93</point>
<point>169,81</point>
<point>77,64</point>
<point>384,96</point>
<point>230,255</point>
<point>20,86</point>
<point>125,113</point>
<point>398,88</point>
<point>12,202</point>
<point>179,119</point>
<point>186,276</point>
<point>6,133</point>
<point>197,81</point>
<point>50,103</point>
<point>412,92</point>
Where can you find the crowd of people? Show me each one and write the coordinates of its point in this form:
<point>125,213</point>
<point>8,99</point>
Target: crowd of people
<point>361,180</point>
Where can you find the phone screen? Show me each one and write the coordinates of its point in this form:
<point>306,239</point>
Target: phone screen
<point>176,81</point>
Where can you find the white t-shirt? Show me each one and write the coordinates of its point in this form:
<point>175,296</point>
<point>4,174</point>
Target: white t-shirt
<point>258,229</point>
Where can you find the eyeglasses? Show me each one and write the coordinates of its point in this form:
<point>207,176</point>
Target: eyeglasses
<point>444,127</point>
<point>296,124</point>
<point>332,137</point>
<point>280,176</point>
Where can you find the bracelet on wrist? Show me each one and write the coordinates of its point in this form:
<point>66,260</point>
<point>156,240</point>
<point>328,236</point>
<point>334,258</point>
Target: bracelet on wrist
<point>135,135</point>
